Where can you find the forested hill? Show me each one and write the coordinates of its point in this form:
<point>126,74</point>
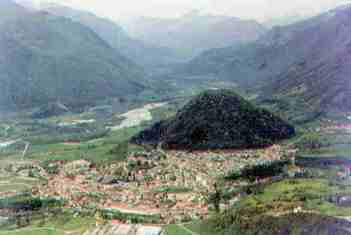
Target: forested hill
<point>217,120</point>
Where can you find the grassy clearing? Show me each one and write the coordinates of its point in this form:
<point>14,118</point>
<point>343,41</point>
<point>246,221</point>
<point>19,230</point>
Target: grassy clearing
<point>68,223</point>
<point>97,151</point>
<point>58,225</point>
<point>288,189</point>
<point>36,231</point>
<point>201,228</point>
<point>284,196</point>
<point>271,206</point>
<point>33,231</point>
<point>329,152</point>
<point>13,187</point>
<point>174,229</point>
<point>310,193</point>
<point>16,184</point>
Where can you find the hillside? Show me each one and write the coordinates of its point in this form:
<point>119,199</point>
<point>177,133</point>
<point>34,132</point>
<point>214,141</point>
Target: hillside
<point>320,78</point>
<point>308,61</point>
<point>193,33</point>
<point>217,120</point>
<point>45,58</point>
<point>116,37</point>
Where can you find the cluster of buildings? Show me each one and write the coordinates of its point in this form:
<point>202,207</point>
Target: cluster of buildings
<point>174,184</point>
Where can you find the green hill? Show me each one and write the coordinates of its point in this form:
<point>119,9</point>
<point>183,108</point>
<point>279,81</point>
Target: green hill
<point>217,120</point>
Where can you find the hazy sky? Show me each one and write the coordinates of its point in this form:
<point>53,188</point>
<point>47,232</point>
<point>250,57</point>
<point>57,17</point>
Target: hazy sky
<point>257,9</point>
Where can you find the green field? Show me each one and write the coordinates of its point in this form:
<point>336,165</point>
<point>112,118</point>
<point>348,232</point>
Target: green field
<point>96,151</point>
<point>16,183</point>
<point>60,225</point>
<point>35,231</point>
<point>174,229</point>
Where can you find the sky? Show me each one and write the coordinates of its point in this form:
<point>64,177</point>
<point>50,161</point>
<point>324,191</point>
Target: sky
<point>249,9</point>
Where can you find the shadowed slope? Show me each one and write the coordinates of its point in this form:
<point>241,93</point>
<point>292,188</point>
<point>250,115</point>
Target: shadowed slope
<point>217,120</point>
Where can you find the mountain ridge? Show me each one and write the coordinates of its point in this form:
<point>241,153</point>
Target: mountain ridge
<point>289,57</point>
<point>136,50</point>
<point>194,33</point>
<point>45,58</point>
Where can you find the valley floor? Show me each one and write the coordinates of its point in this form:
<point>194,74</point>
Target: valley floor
<point>109,183</point>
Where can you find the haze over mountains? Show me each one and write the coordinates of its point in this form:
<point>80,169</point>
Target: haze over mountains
<point>198,124</point>
<point>59,53</point>
<point>47,58</point>
<point>320,73</point>
<point>305,63</point>
<point>195,32</point>
<point>308,61</point>
<point>142,53</point>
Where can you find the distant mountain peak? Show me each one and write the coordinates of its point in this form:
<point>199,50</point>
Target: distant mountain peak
<point>143,54</point>
<point>195,32</point>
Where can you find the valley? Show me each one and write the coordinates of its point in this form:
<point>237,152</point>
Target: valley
<point>200,124</point>
<point>98,177</point>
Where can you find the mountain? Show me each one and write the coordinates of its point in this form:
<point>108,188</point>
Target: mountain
<point>285,19</point>
<point>116,37</point>
<point>305,65</point>
<point>28,4</point>
<point>45,58</point>
<point>194,33</point>
<point>320,77</point>
<point>217,119</point>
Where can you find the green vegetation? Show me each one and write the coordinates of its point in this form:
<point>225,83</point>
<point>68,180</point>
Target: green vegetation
<point>217,120</point>
<point>112,147</point>
<point>58,61</point>
<point>77,61</point>
<point>163,113</point>
<point>261,170</point>
<point>294,109</point>
<point>201,228</point>
<point>174,229</point>
<point>59,224</point>
<point>298,223</point>
<point>34,231</point>
<point>15,183</point>
<point>172,190</point>
<point>278,200</point>
<point>28,202</point>
<point>143,54</point>
<point>110,214</point>
<point>310,142</point>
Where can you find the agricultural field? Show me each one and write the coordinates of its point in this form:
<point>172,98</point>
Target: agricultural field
<point>87,160</point>
<point>59,225</point>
